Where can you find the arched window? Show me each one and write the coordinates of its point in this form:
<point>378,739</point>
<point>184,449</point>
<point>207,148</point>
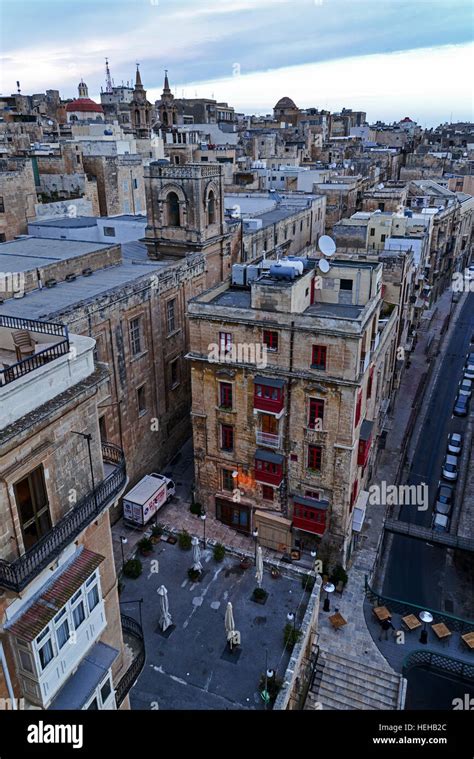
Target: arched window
<point>173,210</point>
<point>211,208</point>
<point>165,118</point>
<point>175,120</point>
<point>137,116</point>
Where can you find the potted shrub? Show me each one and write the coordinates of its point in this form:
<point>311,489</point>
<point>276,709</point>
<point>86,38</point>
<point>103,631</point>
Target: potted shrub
<point>145,546</point>
<point>194,574</point>
<point>132,568</point>
<point>156,533</point>
<point>219,552</point>
<point>308,582</point>
<point>245,562</point>
<point>291,636</point>
<point>338,575</point>
<point>273,685</point>
<point>196,509</point>
<point>184,540</point>
<point>259,595</point>
<point>274,573</point>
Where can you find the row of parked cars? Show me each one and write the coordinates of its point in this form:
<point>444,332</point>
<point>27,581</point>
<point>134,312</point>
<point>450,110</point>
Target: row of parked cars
<point>445,495</point>
<point>461,404</point>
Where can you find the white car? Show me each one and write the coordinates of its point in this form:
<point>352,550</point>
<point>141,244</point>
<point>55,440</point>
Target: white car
<point>469,372</point>
<point>465,387</point>
<point>440,523</point>
<point>454,443</point>
<point>450,468</point>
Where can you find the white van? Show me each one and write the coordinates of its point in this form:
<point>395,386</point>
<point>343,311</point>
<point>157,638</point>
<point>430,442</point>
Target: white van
<point>146,498</point>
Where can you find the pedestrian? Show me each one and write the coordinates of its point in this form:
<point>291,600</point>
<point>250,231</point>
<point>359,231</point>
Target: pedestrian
<point>385,627</point>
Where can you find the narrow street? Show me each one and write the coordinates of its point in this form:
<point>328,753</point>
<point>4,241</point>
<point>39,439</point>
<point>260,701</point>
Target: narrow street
<point>417,571</point>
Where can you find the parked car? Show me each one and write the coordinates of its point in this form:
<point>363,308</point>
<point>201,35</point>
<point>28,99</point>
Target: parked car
<point>461,405</point>
<point>469,372</point>
<point>469,359</point>
<point>450,467</point>
<point>440,523</point>
<point>444,499</point>
<point>465,387</point>
<point>454,443</point>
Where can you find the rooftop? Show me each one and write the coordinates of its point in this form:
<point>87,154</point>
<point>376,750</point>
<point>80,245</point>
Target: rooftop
<point>27,253</point>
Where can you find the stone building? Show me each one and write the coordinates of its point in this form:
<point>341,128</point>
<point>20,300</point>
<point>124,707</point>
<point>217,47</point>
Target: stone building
<point>119,179</point>
<point>389,197</point>
<point>60,623</point>
<point>17,197</point>
<point>291,376</point>
<point>83,108</point>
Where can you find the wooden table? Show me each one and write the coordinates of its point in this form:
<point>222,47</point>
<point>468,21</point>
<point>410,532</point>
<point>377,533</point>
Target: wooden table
<point>337,620</point>
<point>468,639</point>
<point>441,631</point>
<point>381,612</point>
<point>411,621</point>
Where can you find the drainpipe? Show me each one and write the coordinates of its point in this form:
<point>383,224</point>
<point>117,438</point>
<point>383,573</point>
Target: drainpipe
<point>3,662</point>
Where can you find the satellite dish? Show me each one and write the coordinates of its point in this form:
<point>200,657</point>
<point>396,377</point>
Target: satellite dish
<point>324,265</point>
<point>326,245</point>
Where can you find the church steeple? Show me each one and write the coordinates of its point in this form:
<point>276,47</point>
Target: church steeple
<point>166,88</point>
<point>82,89</point>
<point>138,79</point>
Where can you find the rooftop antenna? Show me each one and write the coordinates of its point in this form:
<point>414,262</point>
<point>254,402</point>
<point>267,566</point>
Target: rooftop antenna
<point>108,78</point>
<point>18,88</point>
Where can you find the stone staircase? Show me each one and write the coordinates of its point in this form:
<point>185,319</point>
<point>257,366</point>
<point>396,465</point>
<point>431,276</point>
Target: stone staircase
<point>341,682</point>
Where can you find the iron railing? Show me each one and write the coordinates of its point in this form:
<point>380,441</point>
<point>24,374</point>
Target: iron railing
<point>455,624</point>
<point>433,660</point>
<point>131,627</point>
<point>30,363</point>
<point>17,574</point>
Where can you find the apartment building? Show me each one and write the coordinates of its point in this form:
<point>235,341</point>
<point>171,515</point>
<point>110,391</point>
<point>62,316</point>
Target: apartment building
<point>17,197</point>
<point>291,377</point>
<point>60,623</point>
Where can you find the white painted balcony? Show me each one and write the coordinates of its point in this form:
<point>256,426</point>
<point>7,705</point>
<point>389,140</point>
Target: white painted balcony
<point>268,439</point>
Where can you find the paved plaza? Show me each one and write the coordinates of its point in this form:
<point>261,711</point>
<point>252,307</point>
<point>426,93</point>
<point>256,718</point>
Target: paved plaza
<point>191,668</point>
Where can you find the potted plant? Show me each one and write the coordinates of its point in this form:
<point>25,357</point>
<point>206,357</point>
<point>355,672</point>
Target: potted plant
<point>259,595</point>
<point>339,575</point>
<point>274,573</point>
<point>195,509</point>
<point>156,533</point>
<point>145,546</point>
<point>245,562</point>
<point>308,582</point>
<point>184,540</point>
<point>291,636</point>
<point>219,552</point>
<point>194,574</point>
<point>132,568</point>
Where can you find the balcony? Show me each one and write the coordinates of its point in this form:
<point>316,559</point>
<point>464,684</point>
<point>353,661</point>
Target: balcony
<point>48,341</point>
<point>268,395</point>
<point>268,467</point>
<point>133,635</point>
<point>310,515</point>
<point>365,442</point>
<point>16,575</point>
<point>268,439</point>
<point>374,343</point>
<point>364,363</point>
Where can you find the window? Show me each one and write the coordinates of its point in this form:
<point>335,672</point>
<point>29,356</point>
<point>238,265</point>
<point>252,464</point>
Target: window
<point>93,706</point>
<point>314,457</point>
<point>225,395</point>
<point>62,633</point>
<point>105,690</point>
<point>141,400</point>
<point>318,357</point>
<point>227,480</point>
<point>135,184</point>
<point>211,208</point>
<point>316,413</point>
<point>313,494</point>
<point>267,493</point>
<point>46,653</point>
<point>383,238</point>
<point>102,429</point>
<point>370,382</point>
<point>2,204</point>
<point>33,508</point>
<point>174,372</point>
<point>25,660</point>
<point>358,408</point>
<point>173,209</point>
<point>225,342</point>
<point>3,237</point>
<point>78,612</point>
<point>109,231</point>
<point>93,597</point>
<point>372,231</point>
<point>270,339</point>
<point>227,437</point>
<point>135,336</point>
<point>381,206</point>
<point>346,284</point>
<point>171,316</point>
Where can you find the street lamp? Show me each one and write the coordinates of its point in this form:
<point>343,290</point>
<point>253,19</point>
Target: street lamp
<point>426,617</point>
<point>123,542</point>
<point>329,588</point>
<point>203,517</point>
<point>255,535</point>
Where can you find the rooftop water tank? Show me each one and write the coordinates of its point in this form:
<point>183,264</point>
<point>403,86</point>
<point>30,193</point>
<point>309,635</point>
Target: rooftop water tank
<point>283,272</point>
<point>298,265</point>
<point>304,261</point>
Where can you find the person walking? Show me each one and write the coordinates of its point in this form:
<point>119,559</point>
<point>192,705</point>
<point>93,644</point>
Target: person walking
<point>385,627</point>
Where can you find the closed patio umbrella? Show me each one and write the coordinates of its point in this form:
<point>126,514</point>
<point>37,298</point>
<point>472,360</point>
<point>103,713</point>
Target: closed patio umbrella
<point>197,566</point>
<point>259,572</point>
<point>229,623</point>
<point>165,616</point>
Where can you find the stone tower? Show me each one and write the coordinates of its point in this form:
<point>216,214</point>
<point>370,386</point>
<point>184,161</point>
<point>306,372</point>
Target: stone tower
<point>185,210</point>
<point>140,110</point>
<point>167,110</point>
<point>83,90</point>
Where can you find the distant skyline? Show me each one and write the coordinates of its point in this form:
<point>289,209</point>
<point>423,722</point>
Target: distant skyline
<point>391,58</point>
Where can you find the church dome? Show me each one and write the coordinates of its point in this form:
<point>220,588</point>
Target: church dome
<point>285,103</point>
<point>84,105</point>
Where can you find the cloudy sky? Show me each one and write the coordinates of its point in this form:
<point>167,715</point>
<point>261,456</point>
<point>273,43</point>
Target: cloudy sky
<point>391,58</point>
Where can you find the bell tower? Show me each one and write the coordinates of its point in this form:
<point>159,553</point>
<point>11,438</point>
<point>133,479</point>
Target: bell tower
<point>167,110</point>
<point>83,90</point>
<point>140,109</point>
<point>185,211</point>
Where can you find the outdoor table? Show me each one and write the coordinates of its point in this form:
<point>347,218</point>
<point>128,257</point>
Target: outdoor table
<point>411,621</point>
<point>337,620</point>
<point>441,631</point>
<point>381,612</point>
<point>468,639</point>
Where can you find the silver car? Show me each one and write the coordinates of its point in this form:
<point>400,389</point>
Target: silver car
<point>454,443</point>
<point>440,523</point>
<point>465,387</point>
<point>469,372</point>
<point>450,468</point>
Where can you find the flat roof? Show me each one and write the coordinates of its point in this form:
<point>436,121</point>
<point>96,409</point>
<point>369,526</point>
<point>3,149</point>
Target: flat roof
<point>334,310</point>
<point>233,298</point>
<point>66,222</point>
<point>27,253</point>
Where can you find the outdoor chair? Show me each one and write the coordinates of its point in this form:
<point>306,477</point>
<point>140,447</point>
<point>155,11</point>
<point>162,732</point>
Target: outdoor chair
<point>24,345</point>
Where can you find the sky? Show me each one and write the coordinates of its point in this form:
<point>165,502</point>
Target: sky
<point>391,58</point>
